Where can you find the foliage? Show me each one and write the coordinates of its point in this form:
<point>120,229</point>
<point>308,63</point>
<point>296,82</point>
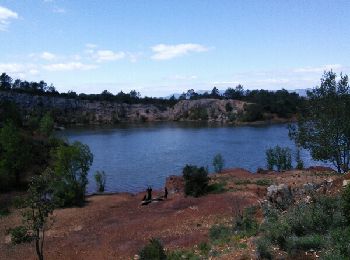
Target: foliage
<point>14,156</point>
<point>183,254</point>
<point>216,188</point>
<point>153,251</point>
<point>346,202</point>
<point>72,163</point>
<point>242,182</point>
<point>300,163</point>
<point>20,235</point>
<point>100,178</point>
<point>198,113</point>
<point>46,125</point>
<point>264,182</point>
<point>246,223</point>
<point>263,247</point>
<point>279,157</point>
<point>320,224</point>
<point>196,180</point>
<point>253,112</point>
<point>204,248</point>
<point>218,162</point>
<point>324,123</point>
<point>220,234</point>
<point>41,204</point>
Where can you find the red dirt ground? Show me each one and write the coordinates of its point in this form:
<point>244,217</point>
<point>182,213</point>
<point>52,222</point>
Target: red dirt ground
<point>116,226</point>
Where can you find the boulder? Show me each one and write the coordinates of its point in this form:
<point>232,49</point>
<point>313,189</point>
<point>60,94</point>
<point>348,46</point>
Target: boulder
<point>280,195</point>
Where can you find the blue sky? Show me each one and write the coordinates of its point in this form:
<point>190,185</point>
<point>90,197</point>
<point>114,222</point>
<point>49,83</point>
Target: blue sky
<point>163,47</point>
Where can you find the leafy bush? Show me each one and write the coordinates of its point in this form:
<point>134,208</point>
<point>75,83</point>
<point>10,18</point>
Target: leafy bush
<point>314,241</point>
<point>246,224</point>
<point>220,234</point>
<point>153,251</point>
<point>199,113</point>
<point>279,157</point>
<point>346,202</point>
<point>242,182</point>
<point>183,254</point>
<point>253,112</point>
<point>217,188</point>
<point>320,225</point>
<point>100,178</point>
<point>263,182</point>
<point>72,164</point>
<point>300,163</point>
<point>20,234</point>
<point>204,248</point>
<point>218,162</point>
<point>196,180</point>
<point>263,248</point>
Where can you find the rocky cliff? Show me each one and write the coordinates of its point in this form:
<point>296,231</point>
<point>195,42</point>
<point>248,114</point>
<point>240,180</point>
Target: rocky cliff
<point>77,111</point>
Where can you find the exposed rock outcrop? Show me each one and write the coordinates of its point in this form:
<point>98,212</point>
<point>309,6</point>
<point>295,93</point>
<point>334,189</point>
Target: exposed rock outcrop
<point>77,111</point>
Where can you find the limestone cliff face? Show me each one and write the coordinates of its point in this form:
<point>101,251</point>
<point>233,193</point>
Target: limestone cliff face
<point>75,111</point>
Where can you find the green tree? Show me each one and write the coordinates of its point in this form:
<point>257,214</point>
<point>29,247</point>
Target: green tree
<point>46,125</point>
<point>218,162</point>
<point>72,163</point>
<point>14,156</point>
<point>196,180</point>
<point>279,157</point>
<point>324,123</point>
<point>40,203</point>
<point>5,81</point>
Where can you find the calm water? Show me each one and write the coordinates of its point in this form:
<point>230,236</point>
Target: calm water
<point>135,156</point>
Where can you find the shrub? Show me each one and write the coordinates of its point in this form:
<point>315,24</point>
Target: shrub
<point>220,234</point>
<point>263,182</point>
<point>242,182</point>
<point>72,164</point>
<point>20,234</point>
<point>204,248</point>
<point>153,251</point>
<point>299,161</point>
<point>314,241</point>
<point>100,178</point>
<point>246,224</point>
<point>217,188</point>
<point>196,180</point>
<point>346,202</point>
<point>253,112</point>
<point>279,157</point>
<point>263,248</point>
<point>218,163</point>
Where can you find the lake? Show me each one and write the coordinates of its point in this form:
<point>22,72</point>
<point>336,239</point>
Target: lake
<point>135,156</point>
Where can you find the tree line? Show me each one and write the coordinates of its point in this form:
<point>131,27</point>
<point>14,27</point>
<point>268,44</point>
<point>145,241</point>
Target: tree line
<point>279,102</point>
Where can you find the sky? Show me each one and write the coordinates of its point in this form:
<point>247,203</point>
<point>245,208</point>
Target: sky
<point>160,47</point>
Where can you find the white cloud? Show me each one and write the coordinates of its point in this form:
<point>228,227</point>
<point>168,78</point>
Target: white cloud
<point>69,66</point>
<point>108,55</point>
<point>59,10</point>
<point>17,70</point>
<point>47,56</point>
<point>5,16</point>
<point>166,52</point>
<point>91,46</point>
<point>319,69</point>
<point>183,77</point>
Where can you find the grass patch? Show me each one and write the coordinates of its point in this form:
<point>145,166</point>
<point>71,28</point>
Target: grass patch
<point>216,188</point>
<point>264,182</point>
<point>220,234</point>
<point>242,182</point>
<point>183,254</point>
<point>4,212</point>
